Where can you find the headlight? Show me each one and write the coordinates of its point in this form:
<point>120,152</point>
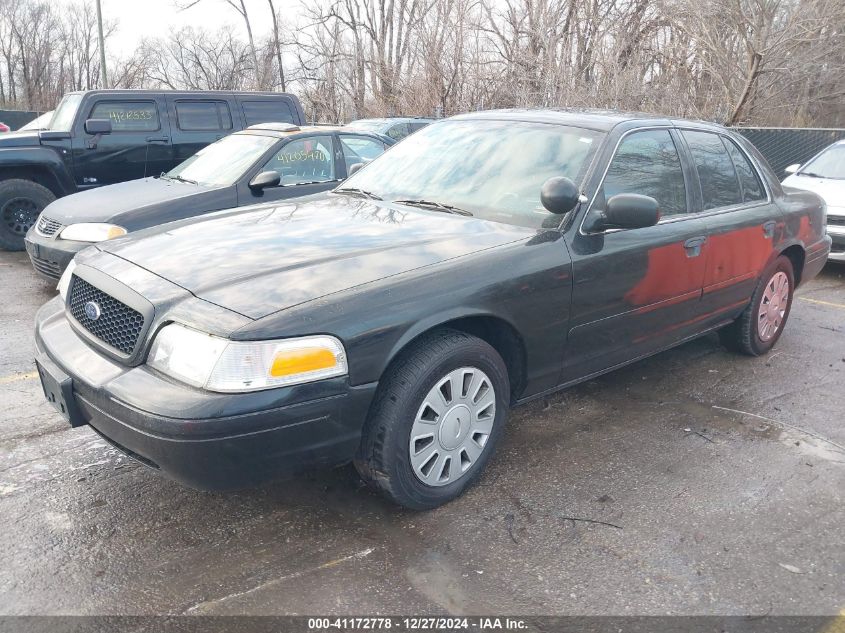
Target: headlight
<point>64,281</point>
<point>91,232</point>
<point>218,364</point>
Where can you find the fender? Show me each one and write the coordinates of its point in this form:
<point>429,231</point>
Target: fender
<point>42,159</point>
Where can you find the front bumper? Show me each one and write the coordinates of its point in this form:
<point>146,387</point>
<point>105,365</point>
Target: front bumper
<point>50,256</point>
<point>205,440</point>
<point>837,234</point>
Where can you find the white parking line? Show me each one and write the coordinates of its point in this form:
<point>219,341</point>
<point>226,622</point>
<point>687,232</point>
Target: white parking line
<point>824,303</point>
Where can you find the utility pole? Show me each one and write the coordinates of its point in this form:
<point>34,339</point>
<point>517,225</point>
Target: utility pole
<point>103,77</point>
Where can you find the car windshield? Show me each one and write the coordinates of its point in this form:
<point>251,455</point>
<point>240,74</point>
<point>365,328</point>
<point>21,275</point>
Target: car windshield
<point>492,169</point>
<point>223,162</point>
<point>829,164</point>
<point>65,113</point>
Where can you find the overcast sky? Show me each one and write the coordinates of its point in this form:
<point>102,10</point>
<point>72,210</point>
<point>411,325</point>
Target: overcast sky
<point>149,18</point>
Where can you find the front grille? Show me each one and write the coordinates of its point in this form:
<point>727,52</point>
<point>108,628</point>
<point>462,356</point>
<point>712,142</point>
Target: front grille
<point>46,267</point>
<point>118,324</point>
<point>47,227</point>
<point>837,220</point>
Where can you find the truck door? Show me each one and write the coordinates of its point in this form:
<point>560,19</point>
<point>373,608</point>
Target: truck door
<point>138,146</point>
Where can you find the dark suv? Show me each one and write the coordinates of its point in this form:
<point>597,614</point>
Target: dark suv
<point>101,137</point>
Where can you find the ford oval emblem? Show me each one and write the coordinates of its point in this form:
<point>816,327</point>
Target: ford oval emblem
<point>92,310</point>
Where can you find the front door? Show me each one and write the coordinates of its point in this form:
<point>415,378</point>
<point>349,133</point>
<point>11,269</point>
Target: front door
<point>636,291</point>
<point>138,143</point>
<point>306,165</point>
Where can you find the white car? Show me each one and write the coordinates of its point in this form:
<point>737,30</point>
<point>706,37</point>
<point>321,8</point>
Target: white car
<point>824,174</point>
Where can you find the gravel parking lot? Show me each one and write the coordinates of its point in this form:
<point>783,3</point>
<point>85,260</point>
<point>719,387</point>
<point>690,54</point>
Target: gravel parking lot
<point>695,482</point>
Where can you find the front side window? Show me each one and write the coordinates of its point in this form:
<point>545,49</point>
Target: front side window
<point>203,115</point>
<point>752,187</point>
<point>493,169</point>
<point>719,184</point>
<point>267,112</point>
<point>829,164</point>
<point>359,149</point>
<point>128,116</point>
<point>304,161</point>
<point>224,162</point>
<point>647,163</point>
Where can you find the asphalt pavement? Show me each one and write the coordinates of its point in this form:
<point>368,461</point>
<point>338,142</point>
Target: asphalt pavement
<point>695,482</point>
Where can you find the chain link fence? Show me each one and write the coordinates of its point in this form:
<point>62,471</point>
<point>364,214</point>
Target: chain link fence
<point>786,146</point>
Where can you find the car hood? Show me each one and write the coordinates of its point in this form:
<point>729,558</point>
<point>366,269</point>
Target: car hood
<point>832,190</point>
<point>114,203</point>
<point>265,259</point>
<point>20,139</point>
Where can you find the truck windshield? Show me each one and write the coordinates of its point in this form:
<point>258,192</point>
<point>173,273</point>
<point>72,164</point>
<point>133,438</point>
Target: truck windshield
<point>829,164</point>
<point>223,162</point>
<point>491,169</point>
<point>65,113</point>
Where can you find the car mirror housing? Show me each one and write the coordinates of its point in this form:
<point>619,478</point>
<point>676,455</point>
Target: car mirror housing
<point>559,195</point>
<point>264,180</point>
<point>631,211</point>
<point>96,127</point>
<point>792,168</point>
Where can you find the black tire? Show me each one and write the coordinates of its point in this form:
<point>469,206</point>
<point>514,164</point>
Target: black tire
<point>384,460</point>
<point>20,203</point>
<point>743,334</point>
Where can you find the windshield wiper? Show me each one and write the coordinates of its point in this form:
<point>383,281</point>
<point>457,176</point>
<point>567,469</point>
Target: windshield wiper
<point>180,179</point>
<point>811,174</point>
<point>436,206</point>
<point>354,191</point>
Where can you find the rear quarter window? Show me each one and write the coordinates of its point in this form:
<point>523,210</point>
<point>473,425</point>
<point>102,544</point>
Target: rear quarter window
<point>277,111</point>
<point>752,187</point>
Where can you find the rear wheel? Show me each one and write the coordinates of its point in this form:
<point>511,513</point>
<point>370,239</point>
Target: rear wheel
<point>435,421</point>
<point>759,327</point>
<point>21,201</point>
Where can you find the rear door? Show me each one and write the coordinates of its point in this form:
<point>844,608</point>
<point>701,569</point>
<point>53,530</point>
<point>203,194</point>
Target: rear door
<point>197,123</point>
<point>138,145</point>
<point>637,291</point>
<point>742,222</point>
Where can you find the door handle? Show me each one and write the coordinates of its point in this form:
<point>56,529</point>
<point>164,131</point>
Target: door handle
<point>769,229</point>
<point>693,245</point>
<point>157,139</point>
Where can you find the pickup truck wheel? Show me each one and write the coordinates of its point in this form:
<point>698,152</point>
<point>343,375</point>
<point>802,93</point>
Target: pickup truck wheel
<point>436,420</point>
<point>759,327</point>
<point>20,203</point>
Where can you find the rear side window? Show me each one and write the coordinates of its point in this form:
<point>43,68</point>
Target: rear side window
<point>752,188</point>
<point>267,112</point>
<point>647,163</point>
<point>719,184</point>
<point>128,116</point>
<point>399,131</point>
<point>203,115</point>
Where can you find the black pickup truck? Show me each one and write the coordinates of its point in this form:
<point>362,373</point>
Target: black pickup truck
<point>101,137</point>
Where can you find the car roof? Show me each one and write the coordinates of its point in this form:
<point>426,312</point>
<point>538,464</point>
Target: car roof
<point>285,130</point>
<point>181,93</point>
<point>594,119</point>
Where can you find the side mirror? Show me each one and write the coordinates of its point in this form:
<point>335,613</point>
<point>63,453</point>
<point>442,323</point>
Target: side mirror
<point>630,211</point>
<point>96,127</point>
<point>264,180</point>
<point>792,168</point>
<point>559,195</point>
<point>356,167</point>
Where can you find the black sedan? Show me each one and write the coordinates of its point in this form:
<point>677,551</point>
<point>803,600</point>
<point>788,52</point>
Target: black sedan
<point>485,261</point>
<point>266,162</point>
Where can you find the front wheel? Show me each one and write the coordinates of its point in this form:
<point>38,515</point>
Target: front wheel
<point>435,421</point>
<point>20,203</point>
<point>759,327</point>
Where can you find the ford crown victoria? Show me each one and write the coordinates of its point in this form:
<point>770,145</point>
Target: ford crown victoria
<point>485,261</point>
